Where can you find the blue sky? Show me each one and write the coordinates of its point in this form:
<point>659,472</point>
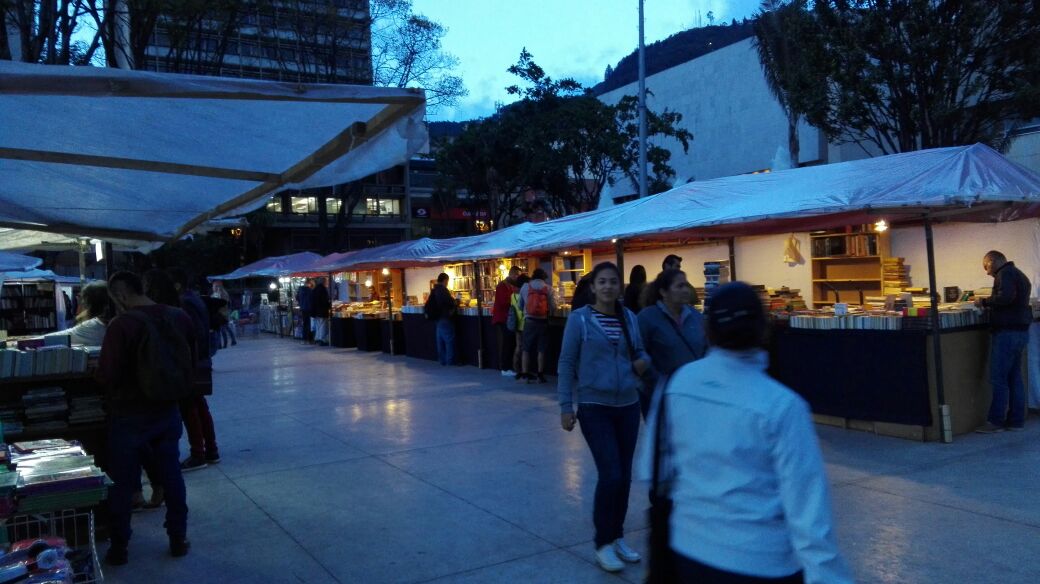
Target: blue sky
<point>568,38</point>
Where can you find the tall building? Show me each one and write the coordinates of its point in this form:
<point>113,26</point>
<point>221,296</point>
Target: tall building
<point>307,41</point>
<point>303,41</point>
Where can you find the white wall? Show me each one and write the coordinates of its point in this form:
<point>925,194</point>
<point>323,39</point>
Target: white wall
<point>693,257</point>
<point>1025,150</point>
<point>417,280</point>
<point>760,261</point>
<point>959,248</point>
<point>724,100</point>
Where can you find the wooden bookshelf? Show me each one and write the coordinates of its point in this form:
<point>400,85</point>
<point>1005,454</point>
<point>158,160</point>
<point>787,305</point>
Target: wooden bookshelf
<point>847,265</point>
<point>568,268</point>
<point>28,308</point>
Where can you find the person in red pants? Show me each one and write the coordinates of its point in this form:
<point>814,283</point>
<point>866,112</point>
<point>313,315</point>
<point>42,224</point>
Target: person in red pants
<point>202,436</point>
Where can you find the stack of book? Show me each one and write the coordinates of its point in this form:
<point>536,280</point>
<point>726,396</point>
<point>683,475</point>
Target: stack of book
<point>56,474</point>
<point>86,410</point>
<point>874,320</point>
<point>715,274</point>
<point>53,360</point>
<point>45,409</point>
<point>784,298</point>
<point>895,275</point>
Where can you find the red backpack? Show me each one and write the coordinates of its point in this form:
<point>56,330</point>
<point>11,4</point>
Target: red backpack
<point>537,305</point>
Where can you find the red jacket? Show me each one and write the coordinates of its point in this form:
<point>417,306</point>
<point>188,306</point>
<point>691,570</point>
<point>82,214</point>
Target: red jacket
<point>503,294</point>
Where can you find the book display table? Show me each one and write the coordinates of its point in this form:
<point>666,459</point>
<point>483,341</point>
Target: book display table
<point>884,381</point>
<point>367,333</point>
<point>420,336</point>
<point>341,333</point>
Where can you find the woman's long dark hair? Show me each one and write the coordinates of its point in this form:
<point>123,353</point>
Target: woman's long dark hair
<point>662,282</point>
<point>637,276</point>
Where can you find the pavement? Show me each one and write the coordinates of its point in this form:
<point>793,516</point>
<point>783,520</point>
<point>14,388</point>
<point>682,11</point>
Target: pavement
<point>350,467</point>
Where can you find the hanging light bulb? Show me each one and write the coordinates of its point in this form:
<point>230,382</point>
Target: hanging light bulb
<point>368,283</point>
<point>273,286</point>
<point>881,226</point>
<point>386,271</point>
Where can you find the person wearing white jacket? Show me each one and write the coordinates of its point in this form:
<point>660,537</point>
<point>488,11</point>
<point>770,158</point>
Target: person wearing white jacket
<point>750,497</point>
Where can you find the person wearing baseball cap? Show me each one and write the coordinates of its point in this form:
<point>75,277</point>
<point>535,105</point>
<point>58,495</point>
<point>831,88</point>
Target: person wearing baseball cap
<point>760,510</point>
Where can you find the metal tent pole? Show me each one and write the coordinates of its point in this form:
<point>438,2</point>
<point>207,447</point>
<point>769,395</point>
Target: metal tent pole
<point>479,295</point>
<point>643,189</point>
<point>619,254</point>
<point>945,423</point>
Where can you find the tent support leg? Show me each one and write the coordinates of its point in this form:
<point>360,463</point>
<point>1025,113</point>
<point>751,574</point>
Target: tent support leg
<point>945,423</point>
<point>732,244</point>
<point>619,254</point>
<point>479,295</point>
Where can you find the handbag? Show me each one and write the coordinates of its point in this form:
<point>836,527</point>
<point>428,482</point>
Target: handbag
<point>661,569</point>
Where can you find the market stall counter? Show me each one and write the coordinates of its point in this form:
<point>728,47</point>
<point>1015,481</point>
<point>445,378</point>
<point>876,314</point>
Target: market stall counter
<point>393,330</point>
<point>420,334</point>
<point>341,333</point>
<point>883,381</point>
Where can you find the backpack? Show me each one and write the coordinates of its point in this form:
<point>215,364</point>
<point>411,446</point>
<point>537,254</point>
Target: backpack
<point>164,365</point>
<point>515,318</point>
<point>537,304</point>
<point>431,309</point>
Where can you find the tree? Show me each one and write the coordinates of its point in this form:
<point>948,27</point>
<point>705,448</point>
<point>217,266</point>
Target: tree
<point>786,61</point>
<point>407,52</point>
<point>903,75</point>
<point>558,139</point>
<point>44,31</point>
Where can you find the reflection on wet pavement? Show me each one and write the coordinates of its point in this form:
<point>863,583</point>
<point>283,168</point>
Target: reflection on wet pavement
<point>342,466</point>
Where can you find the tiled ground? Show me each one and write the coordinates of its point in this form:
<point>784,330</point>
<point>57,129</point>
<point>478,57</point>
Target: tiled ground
<point>342,466</point>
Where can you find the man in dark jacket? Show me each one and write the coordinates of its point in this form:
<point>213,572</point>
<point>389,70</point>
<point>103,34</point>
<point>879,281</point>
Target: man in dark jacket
<point>303,300</point>
<point>321,306</point>
<point>499,315</point>
<point>1009,317</point>
<point>441,307</point>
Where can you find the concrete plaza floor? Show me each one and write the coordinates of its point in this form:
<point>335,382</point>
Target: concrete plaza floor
<point>349,467</point>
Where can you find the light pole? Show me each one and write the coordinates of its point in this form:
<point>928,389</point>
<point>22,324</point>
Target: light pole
<point>643,190</point>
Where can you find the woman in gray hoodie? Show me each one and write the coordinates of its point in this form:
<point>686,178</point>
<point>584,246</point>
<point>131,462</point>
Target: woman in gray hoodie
<point>601,362</point>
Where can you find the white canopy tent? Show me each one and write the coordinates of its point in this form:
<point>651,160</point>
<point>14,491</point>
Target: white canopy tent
<point>144,156</point>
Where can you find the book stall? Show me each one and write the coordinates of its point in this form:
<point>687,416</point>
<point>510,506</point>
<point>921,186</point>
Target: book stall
<point>52,419</point>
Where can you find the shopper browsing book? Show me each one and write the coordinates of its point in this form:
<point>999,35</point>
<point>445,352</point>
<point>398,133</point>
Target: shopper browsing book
<point>538,302</point>
<point>441,307</point>
<point>95,312</point>
<point>499,317</point>
<point>321,308</point>
<point>1009,318</point>
<point>146,366</point>
<point>601,362</point>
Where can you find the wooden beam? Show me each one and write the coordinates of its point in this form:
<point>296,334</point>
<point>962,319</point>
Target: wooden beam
<point>152,86</point>
<point>135,164</point>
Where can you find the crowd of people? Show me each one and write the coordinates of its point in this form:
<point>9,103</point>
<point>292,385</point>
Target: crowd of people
<point>738,491</point>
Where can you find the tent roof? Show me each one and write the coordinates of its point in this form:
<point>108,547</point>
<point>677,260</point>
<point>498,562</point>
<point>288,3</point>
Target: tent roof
<point>968,183</point>
<point>38,275</point>
<point>16,262</point>
<point>150,156</point>
<point>272,267</point>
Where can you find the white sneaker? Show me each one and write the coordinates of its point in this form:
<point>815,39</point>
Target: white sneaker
<point>626,553</point>
<point>509,373</point>
<point>608,560</point>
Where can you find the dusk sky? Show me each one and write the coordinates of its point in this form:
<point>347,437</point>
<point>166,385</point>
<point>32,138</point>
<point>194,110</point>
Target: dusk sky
<point>568,38</point>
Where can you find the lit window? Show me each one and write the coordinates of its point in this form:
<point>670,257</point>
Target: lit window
<point>304,205</point>
<point>275,205</point>
<point>382,207</point>
<point>332,206</point>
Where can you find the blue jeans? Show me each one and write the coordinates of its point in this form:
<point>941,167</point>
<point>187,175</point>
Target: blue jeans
<point>445,341</point>
<point>1005,376</point>
<point>130,437</point>
<point>611,434</point>
<point>225,330</point>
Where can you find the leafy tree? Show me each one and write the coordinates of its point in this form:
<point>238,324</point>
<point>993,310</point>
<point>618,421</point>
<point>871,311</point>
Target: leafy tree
<point>788,62</point>
<point>557,139</point>
<point>903,75</point>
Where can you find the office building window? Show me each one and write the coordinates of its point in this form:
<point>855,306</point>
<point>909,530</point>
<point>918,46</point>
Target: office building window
<point>374,206</point>
<point>304,205</point>
<point>275,205</point>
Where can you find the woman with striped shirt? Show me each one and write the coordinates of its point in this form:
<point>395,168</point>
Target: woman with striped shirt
<point>601,362</point>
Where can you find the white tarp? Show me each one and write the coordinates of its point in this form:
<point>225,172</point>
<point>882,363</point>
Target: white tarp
<point>272,267</point>
<point>975,182</point>
<point>150,156</point>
